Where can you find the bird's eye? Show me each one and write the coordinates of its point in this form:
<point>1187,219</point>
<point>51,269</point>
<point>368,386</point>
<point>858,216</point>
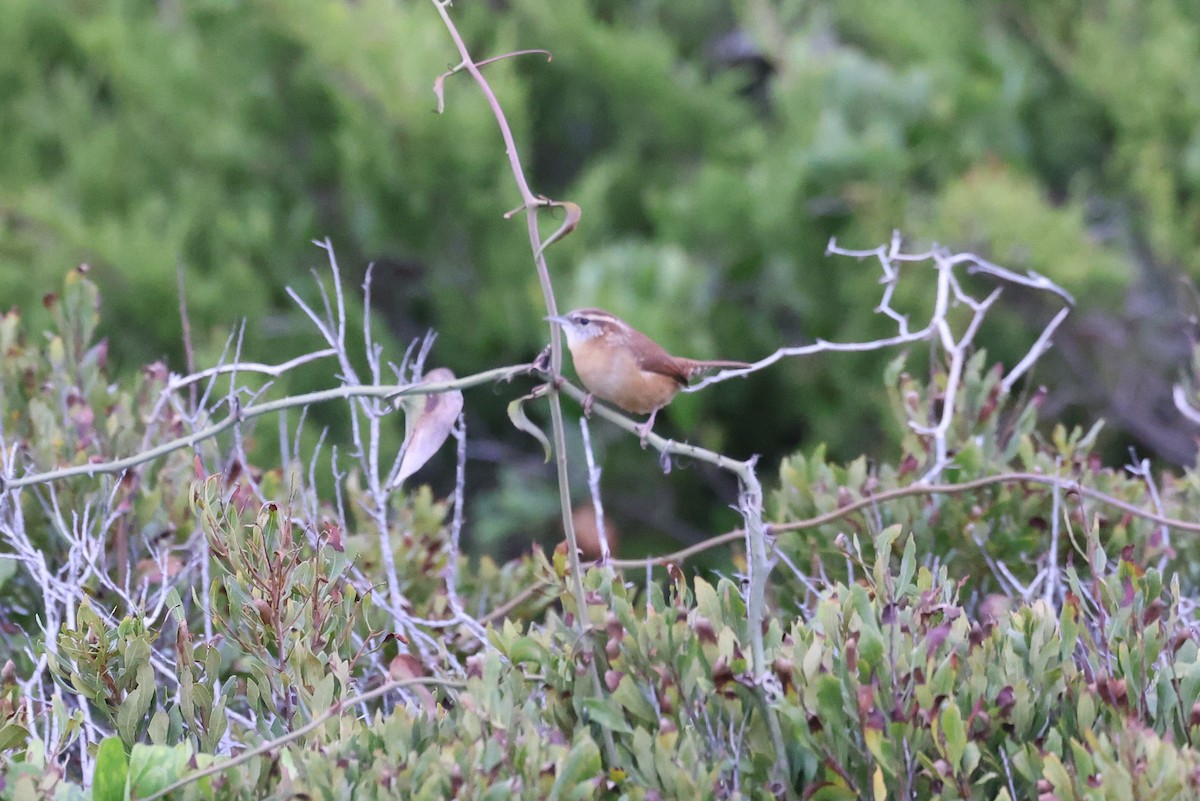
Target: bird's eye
<point>584,321</point>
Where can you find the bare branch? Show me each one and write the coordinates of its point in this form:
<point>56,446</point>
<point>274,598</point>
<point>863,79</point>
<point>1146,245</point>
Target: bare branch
<point>594,489</point>
<point>1042,345</point>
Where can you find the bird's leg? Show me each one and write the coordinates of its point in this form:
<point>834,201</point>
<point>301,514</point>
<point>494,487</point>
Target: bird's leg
<point>644,429</point>
<point>587,405</point>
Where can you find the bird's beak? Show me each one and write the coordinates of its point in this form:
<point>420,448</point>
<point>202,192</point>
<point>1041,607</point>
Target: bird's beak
<point>554,318</point>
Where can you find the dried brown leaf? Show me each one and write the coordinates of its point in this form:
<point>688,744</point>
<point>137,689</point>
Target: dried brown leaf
<point>430,420</point>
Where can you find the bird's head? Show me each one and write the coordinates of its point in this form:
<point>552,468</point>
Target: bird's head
<point>582,325</point>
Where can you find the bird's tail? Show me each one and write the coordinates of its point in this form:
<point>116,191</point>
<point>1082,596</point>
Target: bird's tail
<point>697,366</point>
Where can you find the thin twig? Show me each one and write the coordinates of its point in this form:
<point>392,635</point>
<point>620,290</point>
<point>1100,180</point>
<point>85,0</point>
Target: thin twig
<point>389,392</point>
<point>1039,347</point>
<point>594,489</point>
<point>904,492</point>
<point>189,353</point>
<point>1055,526</point>
<point>1141,469</point>
<point>454,543</point>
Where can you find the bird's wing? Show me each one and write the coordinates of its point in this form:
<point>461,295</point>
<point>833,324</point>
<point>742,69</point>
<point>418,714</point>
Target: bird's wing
<point>653,359</point>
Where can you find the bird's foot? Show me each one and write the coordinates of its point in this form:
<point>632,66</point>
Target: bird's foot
<point>644,429</point>
<point>542,363</point>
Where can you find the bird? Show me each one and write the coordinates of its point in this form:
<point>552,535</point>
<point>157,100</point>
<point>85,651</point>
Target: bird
<point>620,364</point>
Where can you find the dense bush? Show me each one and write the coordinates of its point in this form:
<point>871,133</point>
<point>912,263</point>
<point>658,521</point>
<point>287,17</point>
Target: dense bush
<point>991,641</point>
<point>207,591</point>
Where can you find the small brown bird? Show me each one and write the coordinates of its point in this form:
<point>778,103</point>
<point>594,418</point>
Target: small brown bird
<point>620,364</point>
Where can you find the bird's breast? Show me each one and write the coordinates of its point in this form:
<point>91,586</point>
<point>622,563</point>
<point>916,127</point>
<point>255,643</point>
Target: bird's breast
<point>613,374</point>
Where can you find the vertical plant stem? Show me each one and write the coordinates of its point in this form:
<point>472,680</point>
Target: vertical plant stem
<point>751,504</point>
<point>532,203</point>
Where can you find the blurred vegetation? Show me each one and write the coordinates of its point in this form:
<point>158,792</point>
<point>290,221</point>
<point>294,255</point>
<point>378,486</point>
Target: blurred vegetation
<point>714,147</point>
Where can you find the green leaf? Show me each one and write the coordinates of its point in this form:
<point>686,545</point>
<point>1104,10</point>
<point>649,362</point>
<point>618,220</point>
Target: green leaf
<point>1084,765</point>
<point>880,748</point>
<point>602,712</point>
<point>707,602</point>
<point>955,734</point>
<point>971,757</point>
<point>498,792</point>
<point>833,792</point>
<point>1055,773</point>
<point>830,700</point>
<point>136,704</point>
<point>870,648</point>
<point>908,565</point>
<point>12,734</point>
<point>175,605</point>
<point>878,785</point>
<point>631,698</point>
<point>153,767</point>
<point>643,755</point>
<point>1085,712</point>
<point>160,723</point>
<point>322,697</point>
<point>527,649</point>
<point>577,771</point>
<point>112,771</point>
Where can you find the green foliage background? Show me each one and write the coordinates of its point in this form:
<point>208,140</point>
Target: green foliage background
<point>714,147</point>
